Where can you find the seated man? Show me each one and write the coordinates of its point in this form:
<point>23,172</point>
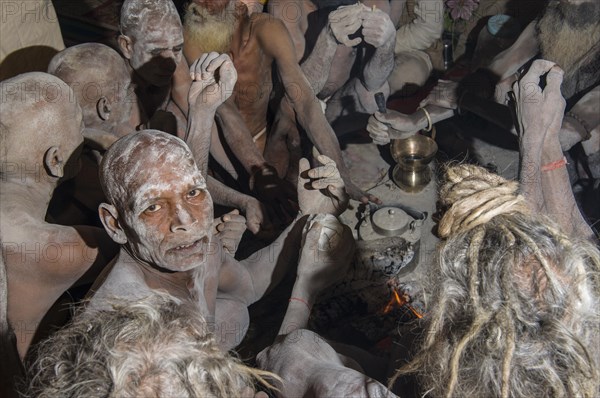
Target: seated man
<point>151,40</point>
<point>568,33</point>
<point>159,210</point>
<point>101,83</point>
<point>41,139</point>
<point>153,347</point>
<point>514,305</point>
<point>257,42</point>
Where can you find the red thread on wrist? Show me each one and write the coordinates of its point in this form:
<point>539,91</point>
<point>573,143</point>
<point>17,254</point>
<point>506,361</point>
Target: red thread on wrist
<point>302,301</point>
<point>555,165</point>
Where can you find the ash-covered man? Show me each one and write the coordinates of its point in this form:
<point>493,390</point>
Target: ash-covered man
<point>159,210</point>
<point>256,44</point>
<point>152,41</point>
<point>40,142</point>
<point>567,33</point>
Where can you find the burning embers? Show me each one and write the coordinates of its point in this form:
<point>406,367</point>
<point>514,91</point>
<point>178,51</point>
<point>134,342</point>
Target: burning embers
<point>398,301</point>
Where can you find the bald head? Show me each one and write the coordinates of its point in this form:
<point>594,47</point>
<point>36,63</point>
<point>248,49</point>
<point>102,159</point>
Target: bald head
<point>126,161</point>
<point>135,14</point>
<point>99,78</point>
<point>38,111</point>
<point>151,39</point>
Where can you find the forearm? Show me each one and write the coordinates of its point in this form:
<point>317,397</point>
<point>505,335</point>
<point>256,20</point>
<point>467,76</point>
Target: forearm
<point>226,196</point>
<point>198,135</point>
<point>268,266</point>
<point>379,66</point>
<point>317,65</point>
<point>298,310</point>
<point>530,173</point>
<point>238,138</point>
<point>558,196</point>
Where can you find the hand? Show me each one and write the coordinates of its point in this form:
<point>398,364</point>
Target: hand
<point>378,28</point>
<point>322,189</point>
<point>444,94</point>
<point>213,78</point>
<point>540,110</point>
<point>327,251</point>
<point>346,21</point>
<point>280,194</point>
<point>230,228</point>
<point>256,216</point>
<point>383,127</point>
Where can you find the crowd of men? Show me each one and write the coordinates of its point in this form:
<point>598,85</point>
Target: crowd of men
<point>117,163</point>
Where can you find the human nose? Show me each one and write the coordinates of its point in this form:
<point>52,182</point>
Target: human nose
<point>182,220</point>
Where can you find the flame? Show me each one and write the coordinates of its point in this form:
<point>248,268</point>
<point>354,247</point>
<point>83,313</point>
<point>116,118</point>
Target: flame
<point>398,300</point>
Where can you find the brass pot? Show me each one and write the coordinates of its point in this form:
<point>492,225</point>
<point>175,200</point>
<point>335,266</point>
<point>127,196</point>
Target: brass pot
<point>413,155</point>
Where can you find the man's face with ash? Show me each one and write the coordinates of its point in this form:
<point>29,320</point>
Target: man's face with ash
<point>168,212</point>
<point>156,48</point>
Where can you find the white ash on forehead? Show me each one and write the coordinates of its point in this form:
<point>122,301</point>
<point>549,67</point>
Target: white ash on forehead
<point>130,155</point>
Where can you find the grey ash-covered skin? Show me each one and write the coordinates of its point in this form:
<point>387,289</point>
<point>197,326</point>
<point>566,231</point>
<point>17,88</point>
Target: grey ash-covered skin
<point>258,43</point>
<point>160,212</point>
<point>151,41</point>
<point>344,71</point>
<point>41,132</point>
<point>566,33</point>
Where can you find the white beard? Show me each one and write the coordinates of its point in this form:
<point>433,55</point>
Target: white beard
<point>207,32</point>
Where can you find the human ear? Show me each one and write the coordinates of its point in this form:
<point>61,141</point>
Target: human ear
<point>53,162</point>
<point>110,220</point>
<point>126,46</point>
<point>103,108</point>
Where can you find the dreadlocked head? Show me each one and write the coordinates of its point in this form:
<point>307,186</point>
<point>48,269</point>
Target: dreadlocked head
<point>514,309</point>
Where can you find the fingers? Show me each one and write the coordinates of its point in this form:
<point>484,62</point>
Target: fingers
<point>554,80</point>
<point>378,130</point>
<point>303,167</point>
<point>205,66</point>
<point>345,21</point>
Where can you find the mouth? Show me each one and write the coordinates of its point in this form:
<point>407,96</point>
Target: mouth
<point>199,245</point>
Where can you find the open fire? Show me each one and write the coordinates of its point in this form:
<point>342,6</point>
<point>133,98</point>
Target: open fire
<point>399,301</point>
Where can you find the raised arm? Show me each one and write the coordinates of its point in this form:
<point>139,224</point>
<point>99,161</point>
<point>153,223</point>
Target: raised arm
<point>206,94</point>
<point>540,114</point>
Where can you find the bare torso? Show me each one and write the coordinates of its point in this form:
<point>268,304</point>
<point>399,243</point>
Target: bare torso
<point>254,85</point>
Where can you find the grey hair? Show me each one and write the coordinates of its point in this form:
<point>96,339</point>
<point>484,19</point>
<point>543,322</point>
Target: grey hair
<point>133,12</point>
<point>152,347</point>
<point>515,301</point>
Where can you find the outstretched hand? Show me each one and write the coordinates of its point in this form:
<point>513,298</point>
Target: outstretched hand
<point>213,78</point>
<point>321,189</point>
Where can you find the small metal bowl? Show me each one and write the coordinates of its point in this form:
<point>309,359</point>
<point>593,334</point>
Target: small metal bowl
<point>415,152</point>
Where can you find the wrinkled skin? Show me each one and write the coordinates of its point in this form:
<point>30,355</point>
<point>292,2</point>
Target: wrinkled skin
<point>42,260</point>
<point>164,225</point>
